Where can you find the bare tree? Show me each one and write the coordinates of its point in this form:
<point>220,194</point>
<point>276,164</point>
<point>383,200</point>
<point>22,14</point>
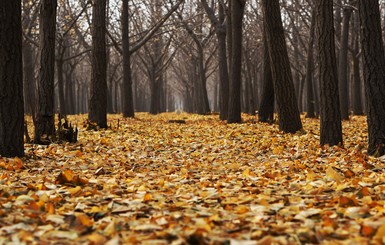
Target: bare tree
<point>288,114</point>
<point>45,113</point>
<point>11,80</point>
<point>331,129</point>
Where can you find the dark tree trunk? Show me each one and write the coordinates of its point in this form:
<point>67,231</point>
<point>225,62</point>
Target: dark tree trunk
<point>288,114</point>
<point>11,80</point>
<point>266,108</point>
<point>70,90</point>
<point>223,67</point>
<point>356,84</point>
<point>204,99</point>
<point>29,79</point>
<point>343,65</point>
<point>60,83</point>
<point>128,101</point>
<point>98,100</point>
<point>374,74</point>
<point>310,101</point>
<point>237,9</point>
<point>331,130</point>
<point>45,121</point>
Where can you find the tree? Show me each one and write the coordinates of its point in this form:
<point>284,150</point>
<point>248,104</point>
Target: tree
<point>309,71</point>
<point>266,109</point>
<point>237,10</point>
<point>331,129</point>
<point>128,102</point>
<point>343,64</point>
<point>288,113</point>
<point>374,73</point>
<point>220,30</point>
<point>11,80</point>
<point>98,101</point>
<point>45,113</point>
<point>356,54</point>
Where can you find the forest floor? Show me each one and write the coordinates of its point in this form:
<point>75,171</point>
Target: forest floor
<point>150,180</point>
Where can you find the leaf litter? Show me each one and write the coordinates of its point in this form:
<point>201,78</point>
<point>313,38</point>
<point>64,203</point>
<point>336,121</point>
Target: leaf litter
<point>150,181</point>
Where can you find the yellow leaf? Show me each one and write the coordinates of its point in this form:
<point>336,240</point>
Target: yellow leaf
<point>246,172</point>
<point>96,239</point>
<point>241,209</point>
<point>75,190</point>
<point>142,188</point>
<point>334,175</point>
<point>380,234</point>
<point>84,219</point>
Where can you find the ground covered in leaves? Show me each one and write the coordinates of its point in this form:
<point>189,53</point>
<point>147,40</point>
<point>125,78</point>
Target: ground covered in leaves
<point>187,179</point>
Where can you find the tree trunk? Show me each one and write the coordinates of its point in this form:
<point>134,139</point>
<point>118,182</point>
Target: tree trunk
<point>204,99</point>
<point>60,83</point>
<point>310,101</point>
<point>223,67</point>
<point>70,90</point>
<point>356,84</point>
<point>128,102</point>
<point>45,121</point>
<point>331,130</point>
<point>288,113</point>
<point>11,80</point>
<point>29,79</point>
<point>374,74</point>
<point>343,65</point>
<point>237,10</point>
<point>98,101</point>
<point>266,108</point>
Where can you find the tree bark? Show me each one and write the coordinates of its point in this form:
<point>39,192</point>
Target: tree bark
<point>11,80</point>
<point>331,130</point>
<point>343,64</point>
<point>98,101</point>
<point>310,101</point>
<point>45,121</point>
<point>237,10</point>
<point>128,101</point>
<point>374,74</point>
<point>356,84</point>
<point>266,109</point>
<point>288,113</point>
<point>60,83</point>
<point>29,79</point>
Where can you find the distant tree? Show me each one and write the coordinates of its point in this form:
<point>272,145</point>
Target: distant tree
<point>30,12</point>
<point>128,101</point>
<point>11,80</point>
<point>374,73</point>
<point>343,64</point>
<point>220,30</point>
<point>356,59</point>
<point>266,108</point>
<point>237,11</point>
<point>310,96</point>
<point>288,113</point>
<point>45,122</point>
<point>98,101</point>
<point>331,129</point>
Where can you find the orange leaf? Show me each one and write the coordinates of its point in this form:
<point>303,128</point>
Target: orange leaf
<point>84,219</point>
<point>17,163</point>
<point>147,197</point>
<point>349,173</point>
<point>367,231</point>
<point>49,207</point>
<point>363,192</point>
<point>346,201</point>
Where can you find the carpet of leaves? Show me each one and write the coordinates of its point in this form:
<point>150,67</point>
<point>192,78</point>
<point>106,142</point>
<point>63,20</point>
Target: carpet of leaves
<point>150,180</point>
